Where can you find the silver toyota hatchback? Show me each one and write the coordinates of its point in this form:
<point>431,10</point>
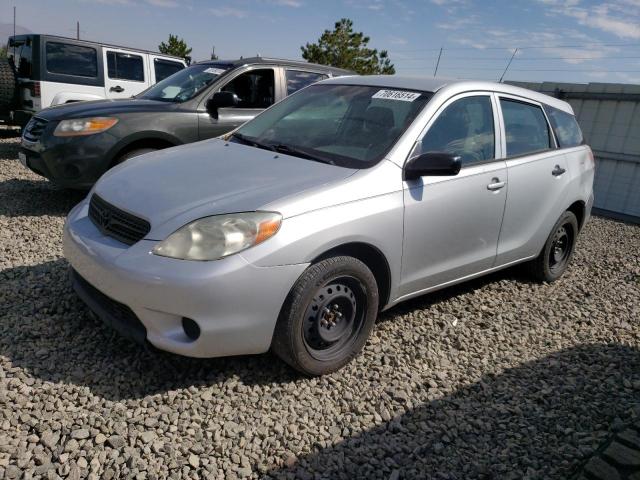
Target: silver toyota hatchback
<point>350,196</point>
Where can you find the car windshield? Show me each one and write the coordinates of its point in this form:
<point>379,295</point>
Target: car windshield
<point>347,125</point>
<point>185,84</point>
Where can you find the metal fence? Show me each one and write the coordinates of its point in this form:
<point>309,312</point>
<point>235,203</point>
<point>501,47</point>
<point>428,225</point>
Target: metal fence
<point>609,115</point>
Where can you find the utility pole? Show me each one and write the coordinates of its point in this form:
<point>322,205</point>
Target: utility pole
<point>508,65</point>
<point>78,30</point>
<point>437,63</point>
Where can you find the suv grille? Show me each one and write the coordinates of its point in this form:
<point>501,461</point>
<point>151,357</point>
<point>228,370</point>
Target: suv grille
<point>33,130</point>
<point>117,223</point>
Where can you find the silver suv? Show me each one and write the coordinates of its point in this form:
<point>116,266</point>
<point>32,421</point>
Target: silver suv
<point>350,196</point>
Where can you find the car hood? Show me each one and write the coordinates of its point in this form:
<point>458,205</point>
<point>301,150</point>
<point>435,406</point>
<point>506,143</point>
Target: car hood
<point>102,108</point>
<point>172,187</point>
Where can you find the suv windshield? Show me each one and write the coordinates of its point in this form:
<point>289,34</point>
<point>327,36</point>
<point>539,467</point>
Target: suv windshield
<point>348,125</point>
<point>185,84</point>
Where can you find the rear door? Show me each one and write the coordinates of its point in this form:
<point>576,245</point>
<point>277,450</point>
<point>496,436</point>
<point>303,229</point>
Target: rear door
<point>257,87</point>
<point>538,179</point>
<point>126,72</point>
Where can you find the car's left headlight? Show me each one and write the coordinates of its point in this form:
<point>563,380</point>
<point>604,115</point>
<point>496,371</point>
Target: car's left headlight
<point>212,238</point>
<point>84,126</point>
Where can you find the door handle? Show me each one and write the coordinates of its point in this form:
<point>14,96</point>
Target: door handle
<point>117,89</point>
<point>557,171</point>
<point>495,184</point>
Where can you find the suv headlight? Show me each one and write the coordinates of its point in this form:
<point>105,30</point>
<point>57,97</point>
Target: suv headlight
<point>84,126</point>
<point>212,238</point>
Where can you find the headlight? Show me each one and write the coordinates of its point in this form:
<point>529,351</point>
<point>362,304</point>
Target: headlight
<point>84,126</point>
<point>211,238</point>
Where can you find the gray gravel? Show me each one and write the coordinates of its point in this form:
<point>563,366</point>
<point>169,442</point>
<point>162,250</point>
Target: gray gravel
<point>499,378</point>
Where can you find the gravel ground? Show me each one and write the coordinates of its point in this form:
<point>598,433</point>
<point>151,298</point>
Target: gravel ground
<point>498,378</point>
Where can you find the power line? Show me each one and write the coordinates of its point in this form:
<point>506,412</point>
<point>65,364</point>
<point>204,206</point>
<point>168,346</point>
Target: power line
<point>583,46</point>
<point>519,59</point>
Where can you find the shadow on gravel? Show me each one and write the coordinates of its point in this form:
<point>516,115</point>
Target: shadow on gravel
<point>534,421</point>
<point>19,197</point>
<point>10,133</point>
<point>46,330</point>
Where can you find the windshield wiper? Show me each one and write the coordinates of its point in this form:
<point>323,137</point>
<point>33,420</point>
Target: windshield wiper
<point>299,152</point>
<point>252,142</point>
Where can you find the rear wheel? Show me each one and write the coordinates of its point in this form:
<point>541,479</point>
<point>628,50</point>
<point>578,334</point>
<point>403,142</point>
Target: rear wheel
<point>327,316</point>
<point>7,84</point>
<point>557,251</point>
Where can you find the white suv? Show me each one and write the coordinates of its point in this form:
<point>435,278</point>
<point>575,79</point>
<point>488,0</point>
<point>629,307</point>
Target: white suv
<point>51,70</point>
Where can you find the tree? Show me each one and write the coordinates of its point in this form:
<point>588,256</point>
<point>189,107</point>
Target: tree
<point>3,52</point>
<point>176,46</point>
<point>345,48</point>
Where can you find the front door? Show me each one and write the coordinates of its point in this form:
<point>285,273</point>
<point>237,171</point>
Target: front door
<point>127,73</point>
<point>256,89</point>
<point>452,224</point>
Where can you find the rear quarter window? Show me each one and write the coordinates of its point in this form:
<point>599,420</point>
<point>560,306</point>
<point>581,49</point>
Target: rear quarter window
<point>69,59</point>
<point>566,128</point>
<point>166,68</point>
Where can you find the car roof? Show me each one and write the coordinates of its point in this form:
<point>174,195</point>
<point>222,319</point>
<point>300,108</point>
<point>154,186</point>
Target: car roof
<point>93,42</point>
<point>280,61</point>
<point>449,86</point>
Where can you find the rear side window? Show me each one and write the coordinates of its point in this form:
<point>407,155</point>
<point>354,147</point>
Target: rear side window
<point>23,59</point>
<point>525,126</point>
<point>125,66</point>
<point>69,59</point>
<point>465,128</point>
<point>565,127</point>
<point>297,79</point>
<point>165,68</point>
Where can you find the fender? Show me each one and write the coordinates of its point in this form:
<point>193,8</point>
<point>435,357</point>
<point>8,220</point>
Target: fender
<point>139,136</point>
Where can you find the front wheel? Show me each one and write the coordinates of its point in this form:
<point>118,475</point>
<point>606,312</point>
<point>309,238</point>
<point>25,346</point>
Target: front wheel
<point>557,251</point>
<point>327,316</point>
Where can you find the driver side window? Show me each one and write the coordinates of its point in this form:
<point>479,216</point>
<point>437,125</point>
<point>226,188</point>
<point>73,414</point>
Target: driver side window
<point>464,128</point>
<point>255,88</point>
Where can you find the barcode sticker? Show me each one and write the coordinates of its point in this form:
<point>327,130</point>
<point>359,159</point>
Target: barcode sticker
<point>214,71</point>
<point>401,95</point>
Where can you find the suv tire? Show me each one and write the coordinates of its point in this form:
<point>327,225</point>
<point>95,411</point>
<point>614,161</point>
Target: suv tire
<point>327,316</point>
<point>7,84</point>
<point>133,153</point>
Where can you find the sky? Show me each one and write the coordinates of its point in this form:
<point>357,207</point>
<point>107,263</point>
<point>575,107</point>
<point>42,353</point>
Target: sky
<point>557,40</point>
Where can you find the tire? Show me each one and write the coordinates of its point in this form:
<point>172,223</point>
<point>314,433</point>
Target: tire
<point>617,458</point>
<point>133,153</point>
<point>558,250</point>
<point>327,316</point>
<point>7,84</point>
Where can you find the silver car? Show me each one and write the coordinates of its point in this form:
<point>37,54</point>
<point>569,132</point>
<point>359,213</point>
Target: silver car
<point>350,196</point>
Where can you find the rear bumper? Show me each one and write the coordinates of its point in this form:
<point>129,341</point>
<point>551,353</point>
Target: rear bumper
<point>234,303</point>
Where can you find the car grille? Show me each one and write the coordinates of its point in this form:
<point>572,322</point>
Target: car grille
<point>33,130</point>
<point>120,317</point>
<point>116,223</point>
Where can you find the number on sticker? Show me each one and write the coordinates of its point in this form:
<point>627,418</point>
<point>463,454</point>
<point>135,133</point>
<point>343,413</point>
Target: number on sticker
<point>401,95</point>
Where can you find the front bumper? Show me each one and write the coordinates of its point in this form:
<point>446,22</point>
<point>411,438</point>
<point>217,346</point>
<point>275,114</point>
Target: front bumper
<point>71,162</point>
<point>235,303</point>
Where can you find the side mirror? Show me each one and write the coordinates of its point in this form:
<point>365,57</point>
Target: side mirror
<point>221,100</point>
<point>432,163</point>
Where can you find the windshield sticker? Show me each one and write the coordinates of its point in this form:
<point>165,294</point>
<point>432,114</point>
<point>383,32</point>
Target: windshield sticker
<point>401,95</point>
<point>214,71</point>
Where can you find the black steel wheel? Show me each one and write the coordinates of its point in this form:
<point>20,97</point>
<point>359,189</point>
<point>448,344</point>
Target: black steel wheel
<point>327,316</point>
<point>557,251</point>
